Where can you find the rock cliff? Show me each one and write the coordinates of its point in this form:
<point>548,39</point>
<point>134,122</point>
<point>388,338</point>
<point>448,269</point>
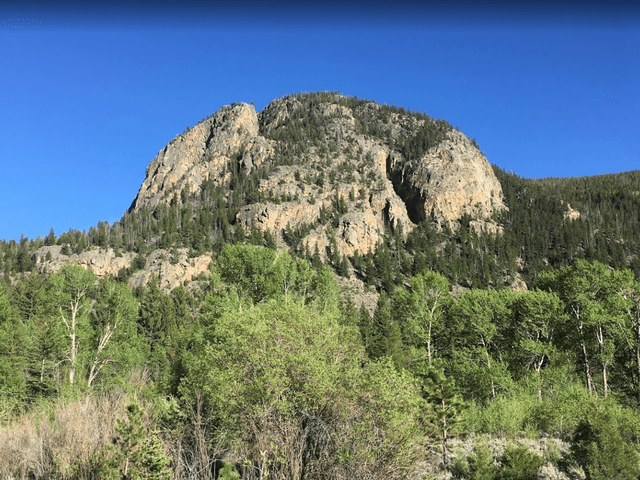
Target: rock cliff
<point>203,153</point>
<point>331,174</point>
<point>368,168</point>
<point>171,268</point>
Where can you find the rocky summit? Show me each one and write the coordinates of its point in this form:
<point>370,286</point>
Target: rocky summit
<point>371,168</point>
<point>327,175</point>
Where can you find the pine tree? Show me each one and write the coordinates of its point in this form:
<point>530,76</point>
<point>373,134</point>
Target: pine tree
<point>447,403</point>
<point>386,338</point>
<point>137,454</point>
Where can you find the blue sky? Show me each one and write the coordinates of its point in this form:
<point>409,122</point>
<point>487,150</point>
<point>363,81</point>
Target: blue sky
<point>89,95</point>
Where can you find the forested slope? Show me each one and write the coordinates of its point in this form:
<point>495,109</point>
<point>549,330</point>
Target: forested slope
<point>537,234</point>
<point>505,347</point>
<point>266,369</point>
<point>336,179</point>
<point>607,228</point>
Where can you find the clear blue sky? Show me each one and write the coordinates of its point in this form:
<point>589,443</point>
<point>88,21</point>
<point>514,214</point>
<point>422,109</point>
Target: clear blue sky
<point>89,95</point>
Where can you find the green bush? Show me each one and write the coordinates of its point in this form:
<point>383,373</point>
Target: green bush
<point>481,465</point>
<point>519,463</point>
<point>506,415</point>
<point>289,384</point>
<point>478,466</point>
<point>562,406</point>
<point>603,446</point>
<point>136,453</point>
<point>227,473</point>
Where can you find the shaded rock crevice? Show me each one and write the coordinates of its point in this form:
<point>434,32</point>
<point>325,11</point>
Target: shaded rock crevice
<point>406,190</point>
<point>449,181</point>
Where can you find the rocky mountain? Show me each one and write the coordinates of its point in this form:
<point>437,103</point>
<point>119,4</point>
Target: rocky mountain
<point>370,167</point>
<point>321,173</point>
<point>405,209</point>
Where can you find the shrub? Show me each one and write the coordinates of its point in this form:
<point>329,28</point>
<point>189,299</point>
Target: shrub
<point>602,446</point>
<point>478,466</point>
<point>227,473</point>
<point>519,463</point>
<point>481,465</point>
<point>290,393</point>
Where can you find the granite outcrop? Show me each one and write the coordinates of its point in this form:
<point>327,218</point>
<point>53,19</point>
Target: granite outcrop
<point>327,158</point>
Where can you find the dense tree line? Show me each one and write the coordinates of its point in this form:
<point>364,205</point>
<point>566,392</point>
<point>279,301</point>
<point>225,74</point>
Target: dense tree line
<point>266,368</point>
<point>202,222</point>
<point>607,229</point>
<point>536,233</point>
<point>289,408</point>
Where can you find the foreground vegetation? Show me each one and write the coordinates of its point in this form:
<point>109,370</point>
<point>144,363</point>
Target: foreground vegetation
<point>265,372</point>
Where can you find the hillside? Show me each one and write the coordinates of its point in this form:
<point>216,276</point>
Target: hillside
<point>329,289</point>
<point>318,152</point>
<point>350,183</point>
<point>554,221</point>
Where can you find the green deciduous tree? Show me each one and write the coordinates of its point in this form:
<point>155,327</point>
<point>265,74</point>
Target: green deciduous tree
<point>537,318</point>
<point>288,390</point>
<point>473,328</point>
<point>594,301</point>
<point>631,293</point>
<point>256,272</point>
<point>420,311</point>
<point>73,286</point>
<point>116,346</point>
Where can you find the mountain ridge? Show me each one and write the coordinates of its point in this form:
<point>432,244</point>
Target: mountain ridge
<point>377,192</point>
<point>444,181</point>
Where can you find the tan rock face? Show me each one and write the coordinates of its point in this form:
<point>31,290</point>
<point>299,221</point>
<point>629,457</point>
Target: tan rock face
<point>171,269</point>
<point>101,262</point>
<point>203,153</point>
<point>571,214</point>
<point>331,172</point>
<point>327,169</point>
<point>451,180</point>
<point>305,179</point>
<point>275,218</point>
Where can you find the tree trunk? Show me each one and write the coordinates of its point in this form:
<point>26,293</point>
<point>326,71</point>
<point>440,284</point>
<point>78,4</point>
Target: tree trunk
<point>71,324</point>
<point>486,352</point>
<point>97,365</point>
<point>538,369</point>
<point>600,337</point>
<point>429,339</point>
<point>585,359</point>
